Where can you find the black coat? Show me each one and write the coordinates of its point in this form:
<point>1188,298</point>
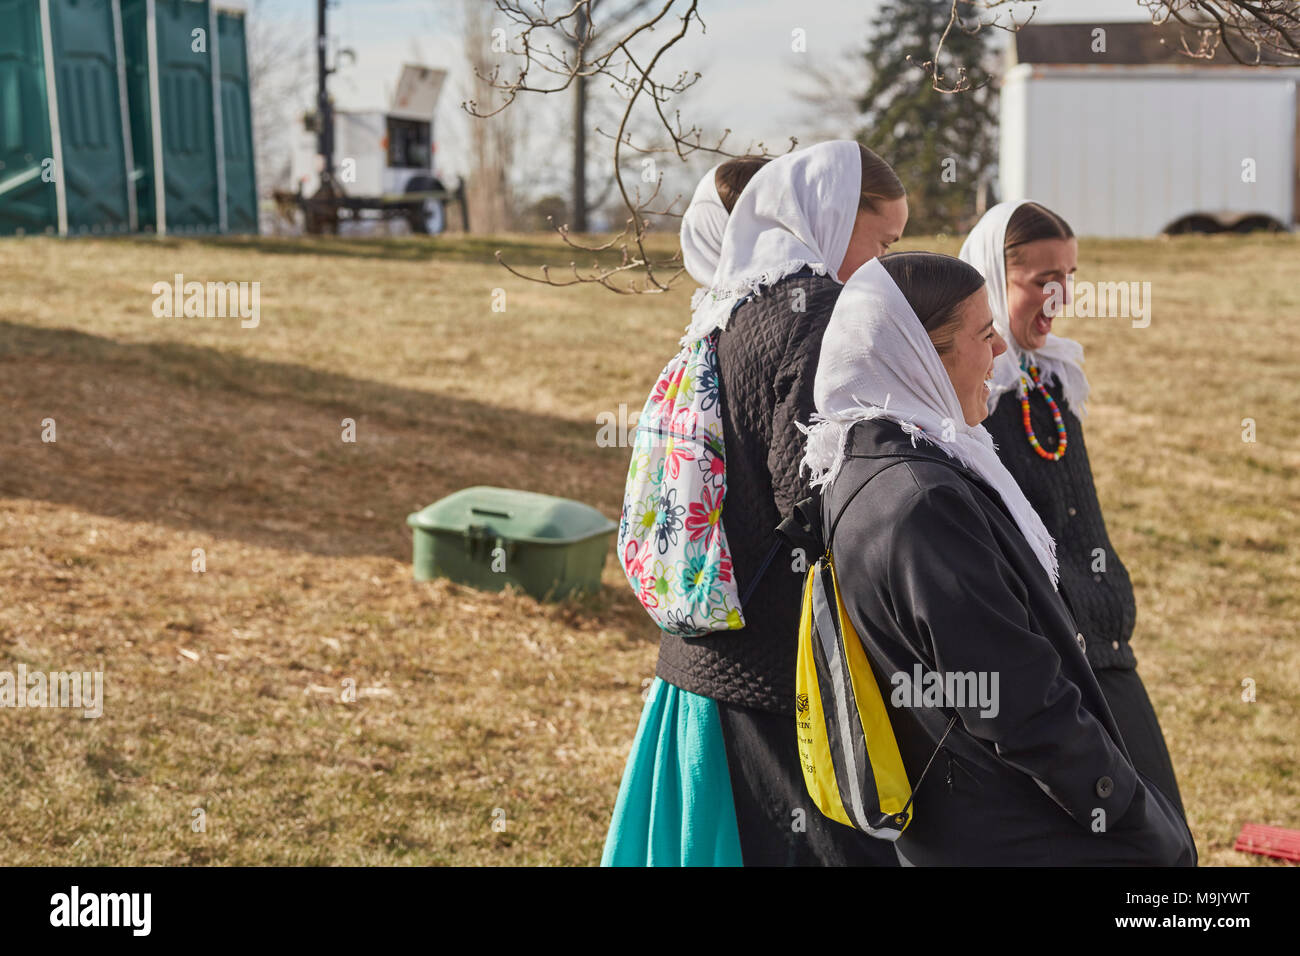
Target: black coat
<point>1063,494</point>
<point>934,571</point>
<point>767,361</point>
<point>1099,595</point>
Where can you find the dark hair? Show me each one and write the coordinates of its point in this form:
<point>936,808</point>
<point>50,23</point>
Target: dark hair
<point>1029,223</point>
<point>879,181</point>
<point>734,175</point>
<point>935,286</point>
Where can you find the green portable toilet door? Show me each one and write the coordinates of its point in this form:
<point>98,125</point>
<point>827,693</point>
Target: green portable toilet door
<point>27,199</point>
<point>135,38</point>
<point>84,38</point>
<point>236,125</point>
<point>188,133</point>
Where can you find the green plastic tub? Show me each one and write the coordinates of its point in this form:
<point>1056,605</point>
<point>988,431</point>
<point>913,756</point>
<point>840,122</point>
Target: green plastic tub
<point>487,537</point>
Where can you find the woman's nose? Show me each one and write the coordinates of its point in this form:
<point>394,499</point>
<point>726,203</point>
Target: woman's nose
<point>999,346</point>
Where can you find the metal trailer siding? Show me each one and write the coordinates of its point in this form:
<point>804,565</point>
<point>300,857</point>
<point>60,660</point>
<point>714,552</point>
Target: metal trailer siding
<point>27,200</point>
<point>360,153</point>
<point>90,130</point>
<point>1012,130</point>
<point>360,157</point>
<point>236,125</point>
<point>1127,153</point>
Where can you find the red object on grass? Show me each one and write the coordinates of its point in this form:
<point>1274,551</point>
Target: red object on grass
<point>1276,842</point>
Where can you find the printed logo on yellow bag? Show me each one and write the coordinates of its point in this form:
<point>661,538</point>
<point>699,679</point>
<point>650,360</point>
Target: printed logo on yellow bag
<point>851,763</point>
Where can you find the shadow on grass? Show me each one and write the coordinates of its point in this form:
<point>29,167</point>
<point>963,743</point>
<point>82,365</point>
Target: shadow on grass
<point>518,250</point>
<point>195,438</point>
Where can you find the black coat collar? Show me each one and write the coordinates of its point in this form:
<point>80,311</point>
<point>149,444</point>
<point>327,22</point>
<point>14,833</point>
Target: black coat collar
<point>879,442</point>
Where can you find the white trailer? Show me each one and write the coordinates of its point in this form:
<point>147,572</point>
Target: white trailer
<point>1136,150</point>
<point>382,155</point>
<point>375,152</point>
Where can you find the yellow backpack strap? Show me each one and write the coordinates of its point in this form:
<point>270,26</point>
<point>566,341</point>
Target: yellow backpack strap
<point>841,712</point>
<point>815,756</point>
<point>846,730</point>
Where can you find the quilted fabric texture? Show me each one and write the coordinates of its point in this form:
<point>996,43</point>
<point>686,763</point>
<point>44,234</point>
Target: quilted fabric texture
<point>1063,494</point>
<point>767,358</point>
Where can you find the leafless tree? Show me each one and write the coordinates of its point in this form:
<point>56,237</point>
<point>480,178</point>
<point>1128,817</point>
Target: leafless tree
<point>1252,32</point>
<point>491,139</point>
<point>830,92</point>
<point>555,47</point>
<point>604,17</point>
<point>278,56</point>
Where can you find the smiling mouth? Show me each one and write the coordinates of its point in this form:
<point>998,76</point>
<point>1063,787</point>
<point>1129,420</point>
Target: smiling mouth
<point>1042,324</point>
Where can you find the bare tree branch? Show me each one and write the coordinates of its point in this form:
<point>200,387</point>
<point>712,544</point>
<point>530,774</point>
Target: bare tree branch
<point>582,51</point>
<point>1259,33</point>
<point>556,47</point>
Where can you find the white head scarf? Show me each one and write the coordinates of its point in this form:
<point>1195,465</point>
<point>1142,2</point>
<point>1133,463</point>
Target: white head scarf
<point>703,224</point>
<point>1059,358</point>
<point>877,361</point>
<point>797,211</point>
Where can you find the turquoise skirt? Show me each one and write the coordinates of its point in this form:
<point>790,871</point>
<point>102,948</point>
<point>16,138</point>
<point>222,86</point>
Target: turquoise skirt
<point>675,806</point>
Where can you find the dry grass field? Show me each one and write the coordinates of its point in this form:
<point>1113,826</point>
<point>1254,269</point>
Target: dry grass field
<point>222,688</point>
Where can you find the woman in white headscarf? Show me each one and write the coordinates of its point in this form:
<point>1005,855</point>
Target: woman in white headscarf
<point>944,567</point>
<point>714,774</point>
<point>705,218</point>
<point>1027,254</point>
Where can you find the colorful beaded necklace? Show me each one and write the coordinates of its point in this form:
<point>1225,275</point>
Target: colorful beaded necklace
<point>1023,390</point>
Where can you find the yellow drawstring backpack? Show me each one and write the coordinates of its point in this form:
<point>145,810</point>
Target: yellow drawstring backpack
<point>851,763</point>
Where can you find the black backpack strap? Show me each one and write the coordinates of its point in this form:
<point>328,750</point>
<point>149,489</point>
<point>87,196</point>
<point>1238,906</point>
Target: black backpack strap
<point>921,779</point>
<point>896,460</point>
<point>803,526</point>
<point>802,529</point>
<point>762,568</point>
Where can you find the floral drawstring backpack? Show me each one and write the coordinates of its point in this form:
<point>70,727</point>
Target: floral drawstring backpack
<point>671,542</point>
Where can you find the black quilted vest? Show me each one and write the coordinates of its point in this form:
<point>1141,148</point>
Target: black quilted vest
<point>767,358</point>
<point>1063,494</point>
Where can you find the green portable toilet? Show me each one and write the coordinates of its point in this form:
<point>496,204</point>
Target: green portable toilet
<point>65,150</point>
<point>187,86</point>
<point>487,537</point>
<point>172,105</point>
<point>135,41</point>
<point>27,202</point>
<point>239,175</point>
<point>102,99</point>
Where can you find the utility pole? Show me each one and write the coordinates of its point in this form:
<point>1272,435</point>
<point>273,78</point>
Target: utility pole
<point>324,110</point>
<point>579,223</point>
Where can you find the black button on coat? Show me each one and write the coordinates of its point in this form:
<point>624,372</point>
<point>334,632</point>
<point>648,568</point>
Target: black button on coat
<point>934,571</point>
